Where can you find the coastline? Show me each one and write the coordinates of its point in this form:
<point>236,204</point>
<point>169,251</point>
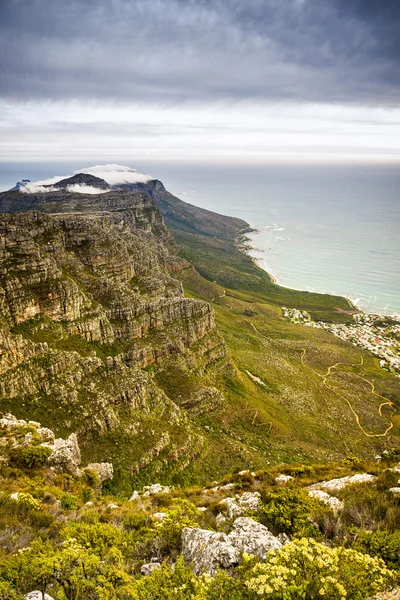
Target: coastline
<point>244,244</point>
<point>355,304</point>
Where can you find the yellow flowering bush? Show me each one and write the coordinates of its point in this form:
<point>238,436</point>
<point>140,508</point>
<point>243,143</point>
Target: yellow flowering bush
<point>28,501</point>
<point>306,570</point>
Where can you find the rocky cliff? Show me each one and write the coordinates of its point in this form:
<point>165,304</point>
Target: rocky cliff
<point>91,319</point>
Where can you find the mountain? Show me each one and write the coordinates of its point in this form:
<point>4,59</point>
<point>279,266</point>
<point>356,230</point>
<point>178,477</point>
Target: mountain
<point>82,179</point>
<point>19,185</point>
<point>136,321</point>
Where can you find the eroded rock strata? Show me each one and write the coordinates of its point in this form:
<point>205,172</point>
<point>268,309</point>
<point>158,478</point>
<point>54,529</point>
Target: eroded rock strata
<point>89,311</point>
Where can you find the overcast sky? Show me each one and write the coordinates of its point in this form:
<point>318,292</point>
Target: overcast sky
<point>200,79</point>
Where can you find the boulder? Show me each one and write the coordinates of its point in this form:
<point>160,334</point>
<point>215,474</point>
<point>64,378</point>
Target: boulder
<point>253,538</point>
<point>395,490</point>
<point>207,550</point>
<point>148,568</point>
<point>36,595</point>
<point>159,516</point>
<point>46,434</point>
<point>135,496</point>
<point>335,504</point>
<point>220,520</point>
<point>104,470</point>
<point>155,489</point>
<point>237,506</point>
<point>282,479</point>
<point>66,455</point>
<point>341,482</point>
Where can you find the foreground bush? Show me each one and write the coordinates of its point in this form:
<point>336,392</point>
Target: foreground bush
<point>307,570</point>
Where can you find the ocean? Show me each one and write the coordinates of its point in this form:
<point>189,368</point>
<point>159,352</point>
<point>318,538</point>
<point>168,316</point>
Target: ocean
<point>324,228</point>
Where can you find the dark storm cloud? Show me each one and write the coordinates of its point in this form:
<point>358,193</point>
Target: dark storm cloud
<point>169,51</point>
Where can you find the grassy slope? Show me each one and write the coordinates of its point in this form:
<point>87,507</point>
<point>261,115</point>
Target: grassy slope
<point>293,417</point>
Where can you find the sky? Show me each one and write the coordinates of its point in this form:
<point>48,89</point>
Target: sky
<point>197,80</point>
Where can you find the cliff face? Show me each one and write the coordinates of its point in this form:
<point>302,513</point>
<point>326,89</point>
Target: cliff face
<point>89,313</point>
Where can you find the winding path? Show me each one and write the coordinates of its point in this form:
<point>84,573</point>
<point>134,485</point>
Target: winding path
<point>325,376</point>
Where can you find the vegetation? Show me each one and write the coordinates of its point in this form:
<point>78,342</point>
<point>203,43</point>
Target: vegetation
<point>53,541</point>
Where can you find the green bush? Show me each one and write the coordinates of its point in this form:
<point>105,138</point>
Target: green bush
<point>380,543</point>
<point>69,501</point>
<point>29,456</point>
<point>98,536</point>
<point>134,521</point>
<point>182,514</point>
<point>288,511</point>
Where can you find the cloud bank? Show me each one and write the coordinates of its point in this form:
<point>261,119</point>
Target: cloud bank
<point>111,173</point>
<point>174,51</point>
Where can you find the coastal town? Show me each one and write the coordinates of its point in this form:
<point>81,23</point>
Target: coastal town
<point>377,333</point>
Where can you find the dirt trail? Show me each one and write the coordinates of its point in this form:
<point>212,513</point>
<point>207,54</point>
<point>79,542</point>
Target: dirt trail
<point>325,376</point>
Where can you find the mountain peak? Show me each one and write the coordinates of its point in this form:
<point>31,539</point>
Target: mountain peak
<point>82,179</point>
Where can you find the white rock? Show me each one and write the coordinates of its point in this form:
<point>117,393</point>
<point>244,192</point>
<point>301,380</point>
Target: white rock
<point>89,503</point>
<point>220,519</point>
<point>112,506</point>
<point>227,486</point>
<point>245,472</point>
<point>66,455</point>
<point>237,506</point>
<point>46,434</point>
<point>135,496</point>
<point>281,479</point>
<point>395,490</point>
<point>202,508</point>
<point>156,488</point>
<point>160,516</point>
<point>148,568</point>
<point>335,504</point>
<point>14,496</point>
<point>104,470</point>
<point>9,421</point>
<point>341,482</point>
<point>208,549</point>
<point>396,468</point>
<point>253,538</point>
<point>36,595</point>
<point>283,538</point>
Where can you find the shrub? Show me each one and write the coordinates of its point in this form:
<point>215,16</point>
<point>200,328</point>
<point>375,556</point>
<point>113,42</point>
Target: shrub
<point>69,501</point>
<point>182,514</point>
<point>288,511</point>
<point>29,502</point>
<point>90,478</point>
<point>30,456</point>
<point>134,521</point>
<point>299,471</point>
<point>307,569</point>
<point>353,462</point>
<point>98,536</point>
<point>380,543</point>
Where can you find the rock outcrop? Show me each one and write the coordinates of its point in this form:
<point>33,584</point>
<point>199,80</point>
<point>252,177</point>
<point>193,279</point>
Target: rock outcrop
<point>240,504</point>
<point>253,538</point>
<point>208,549</point>
<point>66,455</point>
<point>341,482</point>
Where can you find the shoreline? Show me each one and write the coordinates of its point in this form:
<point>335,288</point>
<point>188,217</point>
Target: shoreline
<point>354,305</point>
<point>243,243</point>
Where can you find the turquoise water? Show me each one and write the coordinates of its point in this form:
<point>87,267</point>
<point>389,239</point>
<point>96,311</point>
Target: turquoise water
<point>321,228</point>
